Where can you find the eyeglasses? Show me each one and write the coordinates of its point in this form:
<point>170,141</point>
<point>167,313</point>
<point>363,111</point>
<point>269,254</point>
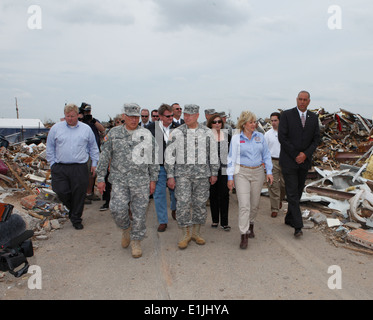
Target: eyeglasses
<point>217,121</point>
<point>169,116</point>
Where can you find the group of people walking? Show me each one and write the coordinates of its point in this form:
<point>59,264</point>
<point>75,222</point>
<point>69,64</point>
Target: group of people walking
<point>195,161</point>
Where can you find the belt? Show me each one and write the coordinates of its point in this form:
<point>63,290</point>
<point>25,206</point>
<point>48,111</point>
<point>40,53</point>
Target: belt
<point>273,158</point>
<point>241,165</point>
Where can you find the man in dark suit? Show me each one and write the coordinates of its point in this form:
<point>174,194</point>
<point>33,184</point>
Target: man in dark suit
<point>144,118</point>
<point>177,110</point>
<point>299,136</point>
<point>161,131</point>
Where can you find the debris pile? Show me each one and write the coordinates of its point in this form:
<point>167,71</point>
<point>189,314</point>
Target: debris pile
<point>344,165</point>
<point>338,198</point>
<point>345,138</point>
<point>26,172</point>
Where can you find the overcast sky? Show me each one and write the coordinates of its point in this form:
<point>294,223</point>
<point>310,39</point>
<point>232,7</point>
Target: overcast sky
<point>231,55</point>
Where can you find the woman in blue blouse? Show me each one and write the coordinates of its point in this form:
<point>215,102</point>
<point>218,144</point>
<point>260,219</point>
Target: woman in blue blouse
<point>247,153</point>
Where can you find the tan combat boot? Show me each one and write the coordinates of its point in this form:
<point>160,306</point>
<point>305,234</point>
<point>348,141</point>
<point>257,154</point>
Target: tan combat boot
<point>136,248</point>
<point>196,236</point>
<point>185,238</point>
<point>126,238</point>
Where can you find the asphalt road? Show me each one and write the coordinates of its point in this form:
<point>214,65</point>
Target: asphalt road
<point>90,264</point>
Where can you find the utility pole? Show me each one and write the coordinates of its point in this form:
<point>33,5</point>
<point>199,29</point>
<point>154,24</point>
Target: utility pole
<point>17,108</point>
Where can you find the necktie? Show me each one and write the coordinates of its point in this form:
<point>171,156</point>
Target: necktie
<point>303,118</point>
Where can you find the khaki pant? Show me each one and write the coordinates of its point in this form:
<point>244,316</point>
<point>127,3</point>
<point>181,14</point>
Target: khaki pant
<point>277,189</point>
<point>248,183</point>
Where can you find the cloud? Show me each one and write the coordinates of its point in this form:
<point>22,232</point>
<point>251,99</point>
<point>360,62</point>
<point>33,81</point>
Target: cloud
<point>197,14</point>
<point>95,13</point>
<point>234,54</point>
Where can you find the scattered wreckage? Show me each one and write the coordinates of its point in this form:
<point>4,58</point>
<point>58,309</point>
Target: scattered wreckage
<point>24,172</point>
<point>342,177</point>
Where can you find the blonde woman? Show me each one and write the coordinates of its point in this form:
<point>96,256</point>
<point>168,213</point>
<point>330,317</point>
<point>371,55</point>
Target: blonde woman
<point>247,153</point>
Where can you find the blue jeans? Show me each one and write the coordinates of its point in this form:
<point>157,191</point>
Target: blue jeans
<point>160,197</point>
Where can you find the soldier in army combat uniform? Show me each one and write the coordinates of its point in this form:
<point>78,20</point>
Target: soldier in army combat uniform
<point>129,150</point>
<point>191,163</point>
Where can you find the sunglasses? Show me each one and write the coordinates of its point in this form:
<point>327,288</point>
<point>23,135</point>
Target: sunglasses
<point>217,121</point>
<point>178,109</point>
<point>144,116</point>
<point>169,116</point>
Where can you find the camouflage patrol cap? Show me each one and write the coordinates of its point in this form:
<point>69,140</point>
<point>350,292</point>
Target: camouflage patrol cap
<point>222,114</point>
<point>210,111</point>
<point>132,109</point>
<point>191,109</point>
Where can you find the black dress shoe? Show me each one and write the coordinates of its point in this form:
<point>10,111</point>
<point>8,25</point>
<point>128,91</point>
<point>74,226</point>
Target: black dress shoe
<point>78,226</point>
<point>298,233</point>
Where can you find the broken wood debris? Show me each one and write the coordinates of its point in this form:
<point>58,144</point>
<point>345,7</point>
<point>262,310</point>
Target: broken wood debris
<point>29,174</point>
<point>341,178</point>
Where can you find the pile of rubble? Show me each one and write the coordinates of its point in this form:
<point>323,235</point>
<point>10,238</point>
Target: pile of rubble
<point>346,138</point>
<point>341,180</point>
<point>344,206</point>
<point>25,172</point>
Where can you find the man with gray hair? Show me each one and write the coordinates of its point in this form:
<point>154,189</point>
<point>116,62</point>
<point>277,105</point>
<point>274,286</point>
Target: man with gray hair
<point>129,150</point>
<point>192,165</point>
<point>144,118</point>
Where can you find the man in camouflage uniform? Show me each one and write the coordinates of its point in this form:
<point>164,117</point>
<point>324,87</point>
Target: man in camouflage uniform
<point>192,165</point>
<point>128,149</point>
<point>208,114</point>
<point>227,126</point>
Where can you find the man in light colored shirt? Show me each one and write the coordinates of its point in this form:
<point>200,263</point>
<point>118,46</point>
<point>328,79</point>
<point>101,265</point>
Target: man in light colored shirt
<point>277,188</point>
<point>70,143</point>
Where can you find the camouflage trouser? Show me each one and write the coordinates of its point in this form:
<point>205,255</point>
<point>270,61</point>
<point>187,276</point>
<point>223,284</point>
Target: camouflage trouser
<point>191,192</point>
<point>121,194</point>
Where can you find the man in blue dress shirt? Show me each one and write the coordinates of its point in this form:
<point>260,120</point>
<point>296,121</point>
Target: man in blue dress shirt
<point>69,145</point>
